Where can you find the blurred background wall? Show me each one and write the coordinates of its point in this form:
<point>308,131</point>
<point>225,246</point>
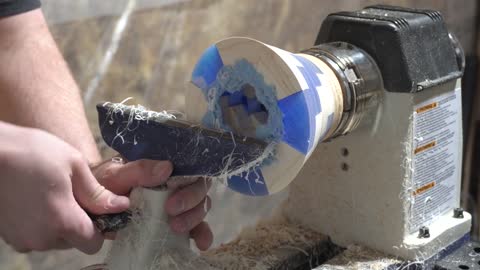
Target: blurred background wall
<point>146,49</point>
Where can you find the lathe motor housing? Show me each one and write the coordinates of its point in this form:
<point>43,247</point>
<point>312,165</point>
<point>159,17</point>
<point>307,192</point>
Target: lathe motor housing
<point>392,180</point>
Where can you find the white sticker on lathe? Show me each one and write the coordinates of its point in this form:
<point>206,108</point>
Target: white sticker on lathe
<point>435,163</point>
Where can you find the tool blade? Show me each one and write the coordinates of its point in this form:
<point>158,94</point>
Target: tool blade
<point>194,150</point>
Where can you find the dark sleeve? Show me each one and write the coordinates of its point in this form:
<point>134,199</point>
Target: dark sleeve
<point>14,7</point>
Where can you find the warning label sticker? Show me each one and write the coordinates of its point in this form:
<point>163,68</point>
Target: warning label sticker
<point>436,160</point>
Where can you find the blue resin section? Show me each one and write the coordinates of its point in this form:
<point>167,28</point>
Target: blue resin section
<point>228,83</point>
<point>207,67</point>
<point>254,187</point>
<point>301,108</point>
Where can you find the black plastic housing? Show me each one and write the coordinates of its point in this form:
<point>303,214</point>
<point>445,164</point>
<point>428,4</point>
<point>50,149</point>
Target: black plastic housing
<point>412,47</point>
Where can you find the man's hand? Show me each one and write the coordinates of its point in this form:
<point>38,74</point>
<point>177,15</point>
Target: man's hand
<point>45,185</point>
<point>187,207</point>
<point>44,182</point>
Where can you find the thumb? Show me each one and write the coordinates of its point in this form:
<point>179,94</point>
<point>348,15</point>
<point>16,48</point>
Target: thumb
<point>92,196</point>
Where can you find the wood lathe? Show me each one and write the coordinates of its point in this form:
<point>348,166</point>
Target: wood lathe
<point>365,128</point>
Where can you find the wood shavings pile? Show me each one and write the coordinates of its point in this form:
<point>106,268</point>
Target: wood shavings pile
<point>263,246</point>
<point>356,257</point>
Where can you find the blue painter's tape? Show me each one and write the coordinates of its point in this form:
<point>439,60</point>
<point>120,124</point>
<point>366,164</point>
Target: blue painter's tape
<point>251,183</point>
<point>207,67</point>
<point>299,109</point>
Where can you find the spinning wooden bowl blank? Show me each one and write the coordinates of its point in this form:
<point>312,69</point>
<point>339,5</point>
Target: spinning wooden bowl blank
<point>305,90</point>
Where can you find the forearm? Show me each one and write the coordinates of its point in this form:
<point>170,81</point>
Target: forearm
<point>36,87</point>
